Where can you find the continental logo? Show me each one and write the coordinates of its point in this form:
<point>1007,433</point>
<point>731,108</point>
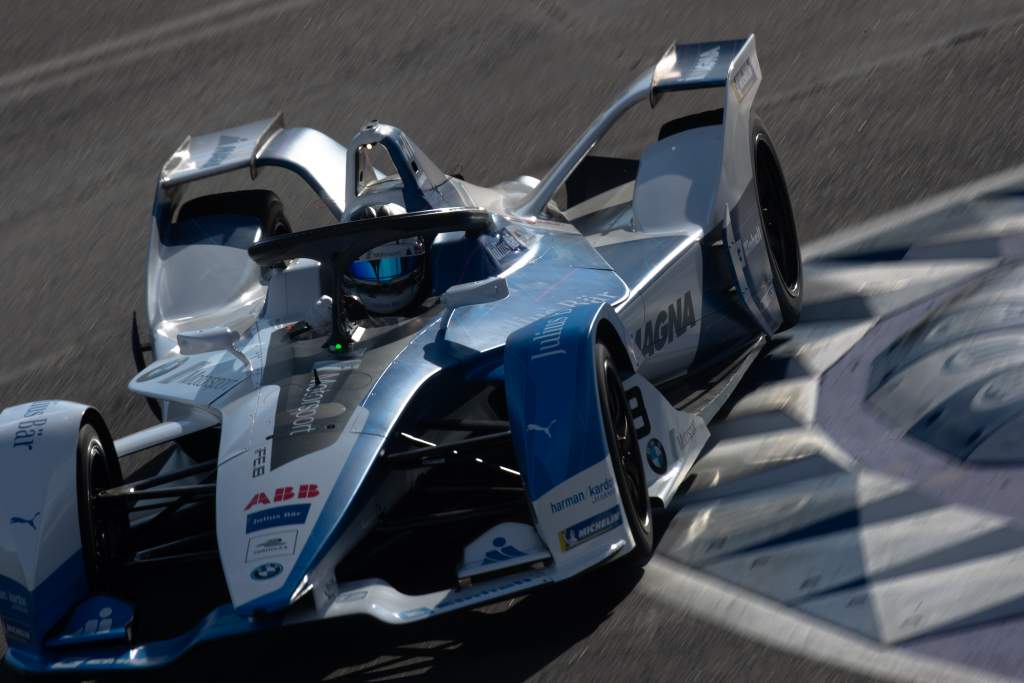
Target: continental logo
<point>668,325</point>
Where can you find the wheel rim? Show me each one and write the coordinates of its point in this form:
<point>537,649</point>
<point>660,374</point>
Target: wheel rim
<point>777,217</point>
<point>626,449</point>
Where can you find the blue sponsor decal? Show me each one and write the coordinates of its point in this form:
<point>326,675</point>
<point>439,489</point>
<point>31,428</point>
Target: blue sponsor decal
<point>99,618</point>
<point>286,515</point>
<point>502,551</point>
<point>589,528</point>
<point>266,571</point>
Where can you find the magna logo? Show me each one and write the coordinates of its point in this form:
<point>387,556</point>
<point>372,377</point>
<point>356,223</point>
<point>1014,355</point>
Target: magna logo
<point>669,324</point>
<point>282,494</point>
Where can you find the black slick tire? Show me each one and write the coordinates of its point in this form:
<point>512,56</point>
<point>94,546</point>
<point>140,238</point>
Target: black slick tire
<point>779,226</point>
<point>103,523</point>
<point>627,462</point>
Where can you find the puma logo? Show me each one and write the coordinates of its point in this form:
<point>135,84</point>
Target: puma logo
<point>538,428</point>
<point>27,522</point>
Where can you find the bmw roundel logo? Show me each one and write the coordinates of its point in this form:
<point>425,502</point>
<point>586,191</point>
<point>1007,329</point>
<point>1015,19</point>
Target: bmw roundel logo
<point>266,571</point>
<point>656,456</point>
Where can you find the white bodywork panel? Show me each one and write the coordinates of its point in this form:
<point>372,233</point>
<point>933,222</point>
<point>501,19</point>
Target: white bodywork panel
<point>38,507</point>
<point>677,180</point>
<point>581,508</point>
<point>670,439</point>
<point>507,545</point>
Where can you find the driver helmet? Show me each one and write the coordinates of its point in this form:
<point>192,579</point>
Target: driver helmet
<point>389,277</point>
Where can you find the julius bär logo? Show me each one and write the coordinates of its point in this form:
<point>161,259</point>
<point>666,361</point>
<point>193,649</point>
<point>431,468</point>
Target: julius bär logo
<point>282,494</point>
<point>31,426</point>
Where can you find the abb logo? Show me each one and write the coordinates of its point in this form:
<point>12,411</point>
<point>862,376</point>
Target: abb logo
<point>282,494</point>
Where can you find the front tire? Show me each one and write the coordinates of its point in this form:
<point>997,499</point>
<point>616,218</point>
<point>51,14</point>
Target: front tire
<point>779,227</point>
<point>103,523</point>
<point>624,449</point>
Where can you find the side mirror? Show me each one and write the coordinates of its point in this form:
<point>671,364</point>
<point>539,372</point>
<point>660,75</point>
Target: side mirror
<point>478,292</point>
<point>472,293</point>
<point>212,339</point>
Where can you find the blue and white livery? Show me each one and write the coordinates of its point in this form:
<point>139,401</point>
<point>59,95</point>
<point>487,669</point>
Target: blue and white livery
<point>451,395</point>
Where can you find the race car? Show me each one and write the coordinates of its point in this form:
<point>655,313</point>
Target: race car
<point>452,395</point>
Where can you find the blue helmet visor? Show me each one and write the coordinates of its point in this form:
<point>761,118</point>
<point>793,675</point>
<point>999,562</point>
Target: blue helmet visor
<point>384,269</point>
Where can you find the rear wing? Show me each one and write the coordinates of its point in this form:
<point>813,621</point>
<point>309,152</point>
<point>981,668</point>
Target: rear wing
<point>731,63</point>
<point>706,65</point>
<point>316,158</point>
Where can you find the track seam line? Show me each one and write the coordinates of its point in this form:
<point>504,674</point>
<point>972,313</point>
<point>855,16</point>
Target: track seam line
<point>19,91</point>
<point>113,45</point>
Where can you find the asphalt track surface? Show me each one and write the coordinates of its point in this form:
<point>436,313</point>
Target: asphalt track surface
<point>873,105</point>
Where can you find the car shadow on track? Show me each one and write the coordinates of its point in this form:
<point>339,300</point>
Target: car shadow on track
<point>511,641</point>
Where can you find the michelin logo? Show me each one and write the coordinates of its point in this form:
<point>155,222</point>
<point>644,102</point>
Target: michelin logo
<point>589,528</point>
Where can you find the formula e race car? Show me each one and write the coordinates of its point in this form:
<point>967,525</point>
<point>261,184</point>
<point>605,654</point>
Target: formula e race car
<point>452,395</point>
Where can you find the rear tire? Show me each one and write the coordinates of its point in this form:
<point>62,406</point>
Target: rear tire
<point>627,461</point>
<point>103,523</point>
<point>779,226</point>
